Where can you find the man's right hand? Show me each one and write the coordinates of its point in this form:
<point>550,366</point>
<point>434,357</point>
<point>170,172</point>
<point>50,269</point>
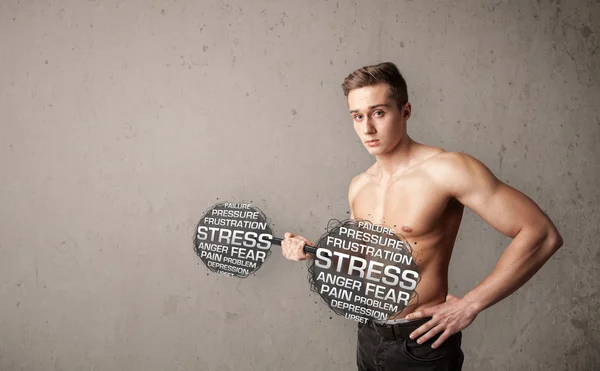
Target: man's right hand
<point>292,247</point>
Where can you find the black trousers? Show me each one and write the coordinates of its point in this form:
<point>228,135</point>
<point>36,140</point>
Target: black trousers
<point>388,348</point>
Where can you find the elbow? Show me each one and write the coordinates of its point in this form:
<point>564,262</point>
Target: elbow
<point>554,239</point>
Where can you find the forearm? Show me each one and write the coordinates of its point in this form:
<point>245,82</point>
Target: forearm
<point>525,255</point>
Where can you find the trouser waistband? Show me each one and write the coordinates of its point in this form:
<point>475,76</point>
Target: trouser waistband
<point>398,330</point>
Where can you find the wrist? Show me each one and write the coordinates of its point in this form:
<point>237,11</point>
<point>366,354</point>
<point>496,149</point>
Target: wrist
<point>474,306</point>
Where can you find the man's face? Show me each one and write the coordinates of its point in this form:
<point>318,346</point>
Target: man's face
<point>378,121</point>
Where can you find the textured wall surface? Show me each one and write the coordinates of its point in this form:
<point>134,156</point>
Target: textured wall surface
<point>122,121</point>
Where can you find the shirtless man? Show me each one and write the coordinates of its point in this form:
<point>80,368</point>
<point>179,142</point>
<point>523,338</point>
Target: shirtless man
<point>422,190</point>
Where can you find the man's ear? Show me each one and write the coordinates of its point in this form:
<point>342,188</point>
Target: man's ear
<point>407,111</point>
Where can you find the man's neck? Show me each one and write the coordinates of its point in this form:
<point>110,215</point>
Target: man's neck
<point>398,160</point>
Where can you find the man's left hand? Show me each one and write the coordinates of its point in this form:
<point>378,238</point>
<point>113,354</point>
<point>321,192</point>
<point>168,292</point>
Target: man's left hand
<point>450,317</point>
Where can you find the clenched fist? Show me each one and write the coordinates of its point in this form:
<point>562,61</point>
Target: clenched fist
<point>292,247</point>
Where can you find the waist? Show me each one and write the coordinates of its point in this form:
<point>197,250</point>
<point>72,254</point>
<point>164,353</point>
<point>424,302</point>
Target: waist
<point>397,328</point>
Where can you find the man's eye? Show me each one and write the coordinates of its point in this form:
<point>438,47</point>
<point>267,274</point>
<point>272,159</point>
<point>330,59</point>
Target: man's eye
<point>378,113</point>
<point>358,117</point>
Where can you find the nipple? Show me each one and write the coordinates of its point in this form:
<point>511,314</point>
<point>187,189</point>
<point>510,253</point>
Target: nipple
<point>406,229</point>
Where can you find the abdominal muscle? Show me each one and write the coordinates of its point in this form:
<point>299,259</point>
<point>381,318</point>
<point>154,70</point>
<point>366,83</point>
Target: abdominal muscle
<point>431,251</point>
<point>433,279</point>
<point>432,260</point>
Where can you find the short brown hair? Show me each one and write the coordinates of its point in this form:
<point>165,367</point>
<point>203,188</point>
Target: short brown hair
<point>386,73</point>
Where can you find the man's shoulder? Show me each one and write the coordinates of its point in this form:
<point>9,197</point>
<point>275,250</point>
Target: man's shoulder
<point>437,158</point>
<point>360,179</point>
<point>459,171</point>
<point>447,163</point>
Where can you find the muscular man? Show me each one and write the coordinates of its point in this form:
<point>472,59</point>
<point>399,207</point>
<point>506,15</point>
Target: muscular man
<point>422,190</point>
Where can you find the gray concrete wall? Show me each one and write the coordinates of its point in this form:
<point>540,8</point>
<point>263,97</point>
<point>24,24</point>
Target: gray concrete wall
<point>122,121</point>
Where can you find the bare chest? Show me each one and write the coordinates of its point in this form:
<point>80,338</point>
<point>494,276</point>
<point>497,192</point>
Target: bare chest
<point>413,207</point>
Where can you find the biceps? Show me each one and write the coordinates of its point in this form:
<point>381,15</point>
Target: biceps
<point>507,210</point>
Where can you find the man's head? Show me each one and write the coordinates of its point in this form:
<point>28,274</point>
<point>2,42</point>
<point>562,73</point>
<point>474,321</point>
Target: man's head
<point>378,103</point>
<point>383,73</point>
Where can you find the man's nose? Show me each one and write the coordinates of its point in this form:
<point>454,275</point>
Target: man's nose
<point>369,128</point>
